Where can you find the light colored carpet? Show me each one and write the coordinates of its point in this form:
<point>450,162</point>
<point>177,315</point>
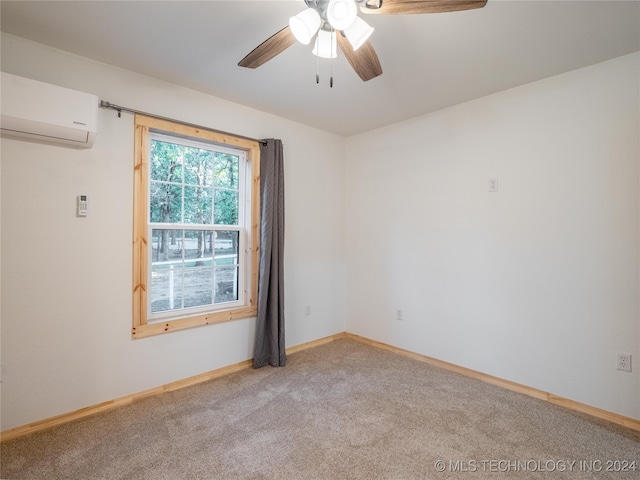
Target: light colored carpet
<point>344,410</point>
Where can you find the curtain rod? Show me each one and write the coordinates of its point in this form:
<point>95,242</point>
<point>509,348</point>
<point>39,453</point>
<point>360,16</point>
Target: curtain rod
<point>121,109</point>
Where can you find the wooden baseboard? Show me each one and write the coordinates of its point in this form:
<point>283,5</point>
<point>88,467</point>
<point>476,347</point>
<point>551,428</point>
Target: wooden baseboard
<point>315,343</point>
<point>220,372</point>
<point>509,385</point>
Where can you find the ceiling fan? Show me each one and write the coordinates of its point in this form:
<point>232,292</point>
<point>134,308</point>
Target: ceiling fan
<point>336,22</point>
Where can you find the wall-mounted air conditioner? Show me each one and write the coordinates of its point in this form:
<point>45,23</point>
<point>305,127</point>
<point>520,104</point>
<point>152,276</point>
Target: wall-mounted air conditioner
<point>49,113</point>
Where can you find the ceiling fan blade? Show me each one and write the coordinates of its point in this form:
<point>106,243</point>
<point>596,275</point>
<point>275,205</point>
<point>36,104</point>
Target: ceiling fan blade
<point>364,60</point>
<point>396,7</point>
<point>268,49</point>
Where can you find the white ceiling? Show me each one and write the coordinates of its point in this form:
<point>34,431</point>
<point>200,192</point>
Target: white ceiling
<point>430,61</point>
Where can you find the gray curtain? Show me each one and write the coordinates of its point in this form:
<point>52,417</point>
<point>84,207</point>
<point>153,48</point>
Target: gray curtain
<point>269,346</point>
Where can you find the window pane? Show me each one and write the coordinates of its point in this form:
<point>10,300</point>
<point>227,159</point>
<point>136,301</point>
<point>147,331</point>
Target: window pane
<point>198,166</point>
<point>226,207</point>
<point>166,288</point>
<point>226,170</point>
<point>198,285</point>
<point>197,205</point>
<point>226,280</point>
<point>165,202</point>
<point>198,246</point>
<point>166,269</point>
<point>166,246</point>
<point>166,161</point>
<point>227,245</point>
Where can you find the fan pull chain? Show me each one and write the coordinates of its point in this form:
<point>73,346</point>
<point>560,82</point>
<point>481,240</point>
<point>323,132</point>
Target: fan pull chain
<point>331,68</point>
<point>318,71</point>
<point>333,39</point>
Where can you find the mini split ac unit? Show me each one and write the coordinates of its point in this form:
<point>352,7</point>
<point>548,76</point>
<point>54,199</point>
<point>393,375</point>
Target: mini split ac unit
<point>49,113</point>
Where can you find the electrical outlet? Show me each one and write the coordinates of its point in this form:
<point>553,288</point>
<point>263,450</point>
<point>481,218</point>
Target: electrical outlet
<point>307,310</point>
<point>493,184</point>
<point>624,362</point>
<point>399,314</point>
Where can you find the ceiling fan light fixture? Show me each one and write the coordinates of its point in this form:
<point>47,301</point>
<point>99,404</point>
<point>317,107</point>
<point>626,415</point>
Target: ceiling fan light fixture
<point>341,13</point>
<point>358,33</point>
<point>305,25</point>
<point>326,44</point>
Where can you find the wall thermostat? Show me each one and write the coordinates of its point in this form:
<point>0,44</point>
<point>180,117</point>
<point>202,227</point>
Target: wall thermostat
<point>83,206</point>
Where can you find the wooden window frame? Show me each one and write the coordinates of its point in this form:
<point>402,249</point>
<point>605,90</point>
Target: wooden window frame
<point>141,326</point>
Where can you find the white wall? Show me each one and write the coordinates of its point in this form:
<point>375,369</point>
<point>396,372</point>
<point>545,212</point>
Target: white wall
<point>66,281</point>
<point>537,283</point>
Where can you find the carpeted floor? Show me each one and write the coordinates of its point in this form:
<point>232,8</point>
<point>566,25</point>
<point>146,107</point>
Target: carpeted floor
<point>343,410</point>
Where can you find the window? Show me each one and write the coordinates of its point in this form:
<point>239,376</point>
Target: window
<point>195,244</point>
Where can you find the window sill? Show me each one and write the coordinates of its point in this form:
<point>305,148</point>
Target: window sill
<point>142,331</point>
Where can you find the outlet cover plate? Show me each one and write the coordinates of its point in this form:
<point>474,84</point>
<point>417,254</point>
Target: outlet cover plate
<point>624,362</point>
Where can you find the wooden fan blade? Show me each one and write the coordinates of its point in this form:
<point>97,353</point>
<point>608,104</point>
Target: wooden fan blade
<point>410,7</point>
<point>268,49</point>
<point>364,60</point>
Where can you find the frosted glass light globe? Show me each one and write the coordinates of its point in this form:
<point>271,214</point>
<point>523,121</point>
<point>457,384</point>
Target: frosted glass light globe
<point>341,13</point>
<point>305,25</point>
